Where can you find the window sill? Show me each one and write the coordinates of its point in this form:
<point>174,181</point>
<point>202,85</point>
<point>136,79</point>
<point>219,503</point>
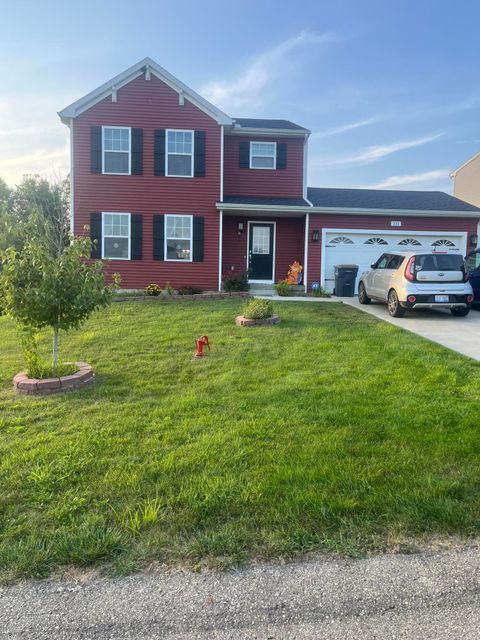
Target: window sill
<point>108,173</point>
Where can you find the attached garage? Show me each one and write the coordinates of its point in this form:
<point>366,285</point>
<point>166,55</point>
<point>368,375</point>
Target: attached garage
<point>364,246</point>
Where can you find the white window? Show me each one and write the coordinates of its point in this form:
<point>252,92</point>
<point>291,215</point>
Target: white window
<point>116,236</point>
<point>116,157</point>
<point>179,152</point>
<point>263,155</point>
<point>178,238</point>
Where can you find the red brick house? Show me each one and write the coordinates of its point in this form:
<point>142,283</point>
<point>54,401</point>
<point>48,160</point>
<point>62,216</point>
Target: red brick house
<point>174,189</point>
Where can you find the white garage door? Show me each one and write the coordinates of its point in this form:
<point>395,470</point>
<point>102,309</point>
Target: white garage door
<point>364,247</point>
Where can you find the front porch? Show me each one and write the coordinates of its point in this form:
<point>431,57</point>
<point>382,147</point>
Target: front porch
<point>264,244</point>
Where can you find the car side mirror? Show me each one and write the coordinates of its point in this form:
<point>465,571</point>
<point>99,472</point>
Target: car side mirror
<point>373,265</point>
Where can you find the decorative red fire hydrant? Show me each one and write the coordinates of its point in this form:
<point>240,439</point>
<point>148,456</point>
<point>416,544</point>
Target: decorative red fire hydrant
<point>201,342</point>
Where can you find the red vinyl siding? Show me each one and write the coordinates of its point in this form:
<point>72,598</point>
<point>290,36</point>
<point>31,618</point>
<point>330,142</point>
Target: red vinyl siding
<point>326,221</point>
<point>263,182</point>
<point>151,105</point>
<point>289,242</point>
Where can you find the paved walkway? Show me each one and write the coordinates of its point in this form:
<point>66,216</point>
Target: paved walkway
<point>459,334</point>
<point>415,597</point>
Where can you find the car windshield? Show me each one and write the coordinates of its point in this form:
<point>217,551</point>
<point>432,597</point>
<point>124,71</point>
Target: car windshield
<point>439,262</point>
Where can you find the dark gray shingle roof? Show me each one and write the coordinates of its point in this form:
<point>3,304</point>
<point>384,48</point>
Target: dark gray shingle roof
<point>266,123</point>
<point>386,199</point>
<point>279,202</point>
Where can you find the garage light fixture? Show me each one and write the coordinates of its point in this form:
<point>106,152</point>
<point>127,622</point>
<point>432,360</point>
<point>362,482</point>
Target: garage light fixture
<point>474,239</point>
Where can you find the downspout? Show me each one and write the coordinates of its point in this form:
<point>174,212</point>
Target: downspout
<point>305,252</point>
<point>220,250</point>
<point>220,224</point>
<point>72,181</point>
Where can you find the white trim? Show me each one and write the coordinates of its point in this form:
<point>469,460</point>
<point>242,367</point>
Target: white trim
<point>72,182</point>
<point>117,213</point>
<point>403,232</point>
<point>270,222</point>
<point>305,251</point>
<point>222,152</point>
<point>274,155</point>
<point>455,171</point>
<point>220,250</point>
<point>284,133</point>
<point>305,172</point>
<point>136,70</point>
<point>421,213</point>
<point>177,215</point>
<point>192,154</point>
<point>116,173</point>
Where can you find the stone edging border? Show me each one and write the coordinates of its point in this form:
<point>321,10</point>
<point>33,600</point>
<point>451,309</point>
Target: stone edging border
<point>31,386</point>
<point>197,296</point>
<point>241,321</point>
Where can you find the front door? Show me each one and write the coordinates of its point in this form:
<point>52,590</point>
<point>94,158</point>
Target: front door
<point>261,238</point>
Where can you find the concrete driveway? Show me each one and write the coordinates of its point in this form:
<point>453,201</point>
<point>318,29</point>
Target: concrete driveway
<point>459,334</point>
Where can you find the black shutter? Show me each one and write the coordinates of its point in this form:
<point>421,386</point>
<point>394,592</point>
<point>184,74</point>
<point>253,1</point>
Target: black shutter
<point>136,232</point>
<point>96,149</point>
<point>244,155</point>
<point>198,238</point>
<point>159,153</point>
<point>137,152</point>
<point>158,237</point>
<point>199,160</point>
<point>96,235</point>
<point>281,155</point>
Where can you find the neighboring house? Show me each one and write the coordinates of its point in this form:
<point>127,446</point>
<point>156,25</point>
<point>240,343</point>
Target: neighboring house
<point>466,180</point>
<point>174,189</point>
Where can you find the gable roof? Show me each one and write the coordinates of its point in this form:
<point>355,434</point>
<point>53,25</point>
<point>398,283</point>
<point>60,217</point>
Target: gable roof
<point>268,123</point>
<point>387,199</point>
<point>147,65</point>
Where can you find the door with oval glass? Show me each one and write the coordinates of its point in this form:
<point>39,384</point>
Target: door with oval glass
<point>261,243</point>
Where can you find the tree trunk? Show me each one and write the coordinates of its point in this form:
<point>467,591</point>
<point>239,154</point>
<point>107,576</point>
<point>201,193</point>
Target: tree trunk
<point>55,348</point>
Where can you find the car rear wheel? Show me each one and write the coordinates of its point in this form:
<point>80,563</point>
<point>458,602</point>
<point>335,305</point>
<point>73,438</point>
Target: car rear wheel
<point>460,312</point>
<point>362,294</point>
<point>394,307</point>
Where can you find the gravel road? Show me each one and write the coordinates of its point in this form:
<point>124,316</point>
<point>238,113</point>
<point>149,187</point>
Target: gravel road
<point>424,596</point>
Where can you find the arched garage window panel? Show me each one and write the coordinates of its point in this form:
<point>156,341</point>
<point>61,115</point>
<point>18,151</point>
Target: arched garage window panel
<point>375,241</point>
<point>443,242</point>
<point>410,242</point>
<point>341,240</point>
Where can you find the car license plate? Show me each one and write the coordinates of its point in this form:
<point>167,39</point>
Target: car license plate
<point>441,298</point>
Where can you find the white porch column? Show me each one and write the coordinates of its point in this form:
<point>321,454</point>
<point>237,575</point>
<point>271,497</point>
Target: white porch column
<point>220,250</point>
<point>305,251</point>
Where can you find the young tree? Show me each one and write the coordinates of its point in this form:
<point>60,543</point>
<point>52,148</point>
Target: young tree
<point>49,284</point>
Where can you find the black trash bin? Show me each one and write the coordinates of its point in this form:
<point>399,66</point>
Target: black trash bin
<point>345,276</point>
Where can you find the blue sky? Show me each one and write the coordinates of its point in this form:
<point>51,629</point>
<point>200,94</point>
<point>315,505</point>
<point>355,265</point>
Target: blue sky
<point>390,89</point>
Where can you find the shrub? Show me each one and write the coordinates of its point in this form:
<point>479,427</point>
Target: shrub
<point>283,288</point>
<point>153,290</point>
<point>319,292</point>
<point>169,288</point>
<point>258,308</point>
<point>238,282</point>
<point>189,290</point>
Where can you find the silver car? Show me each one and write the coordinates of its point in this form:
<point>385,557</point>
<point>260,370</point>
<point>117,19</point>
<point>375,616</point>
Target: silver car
<point>417,280</point>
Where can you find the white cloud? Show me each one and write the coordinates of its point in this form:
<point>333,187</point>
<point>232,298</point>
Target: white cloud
<point>347,127</point>
<point>33,140</point>
<point>377,152</point>
<point>260,73</point>
<point>427,179</point>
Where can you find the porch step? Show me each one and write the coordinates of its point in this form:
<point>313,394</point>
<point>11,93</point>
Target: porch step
<point>262,290</point>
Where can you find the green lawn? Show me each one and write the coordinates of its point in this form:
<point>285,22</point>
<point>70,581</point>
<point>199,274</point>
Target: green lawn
<point>331,431</point>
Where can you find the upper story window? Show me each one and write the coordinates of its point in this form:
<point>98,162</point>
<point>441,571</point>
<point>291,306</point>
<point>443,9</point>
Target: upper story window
<point>116,236</point>
<point>178,237</point>
<point>263,155</point>
<point>179,151</point>
<point>116,146</point>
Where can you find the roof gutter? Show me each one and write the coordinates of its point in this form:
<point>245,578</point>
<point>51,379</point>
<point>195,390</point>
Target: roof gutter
<point>285,133</point>
<point>231,206</point>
